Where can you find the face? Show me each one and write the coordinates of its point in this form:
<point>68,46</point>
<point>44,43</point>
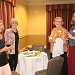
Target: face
<point>74,17</point>
<point>1,27</point>
<point>14,24</point>
<point>58,22</point>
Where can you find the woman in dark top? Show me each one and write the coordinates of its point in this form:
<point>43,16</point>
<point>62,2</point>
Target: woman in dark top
<point>12,38</point>
<point>4,66</point>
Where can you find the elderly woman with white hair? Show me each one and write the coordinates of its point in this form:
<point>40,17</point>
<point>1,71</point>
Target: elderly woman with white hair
<point>12,38</point>
<point>4,65</point>
<point>59,43</point>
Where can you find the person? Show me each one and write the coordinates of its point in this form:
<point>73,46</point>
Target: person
<point>59,34</point>
<point>71,52</point>
<point>12,38</point>
<point>4,65</point>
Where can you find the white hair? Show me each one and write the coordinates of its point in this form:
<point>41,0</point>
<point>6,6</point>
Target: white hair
<point>13,20</point>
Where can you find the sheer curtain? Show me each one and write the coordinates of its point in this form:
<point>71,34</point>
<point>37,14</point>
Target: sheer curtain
<point>7,11</point>
<point>61,10</point>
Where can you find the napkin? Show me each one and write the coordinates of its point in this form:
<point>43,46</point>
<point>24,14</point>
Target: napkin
<point>58,47</point>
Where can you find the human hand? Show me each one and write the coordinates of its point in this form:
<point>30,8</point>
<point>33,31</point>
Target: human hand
<point>51,40</point>
<point>69,35</point>
<point>7,48</point>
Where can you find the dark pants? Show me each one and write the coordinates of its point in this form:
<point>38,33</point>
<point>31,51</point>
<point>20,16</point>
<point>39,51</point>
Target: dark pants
<point>51,55</point>
<point>13,60</point>
<point>64,70</point>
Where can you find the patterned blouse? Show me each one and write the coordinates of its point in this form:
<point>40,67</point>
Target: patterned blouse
<point>10,39</point>
<point>55,33</point>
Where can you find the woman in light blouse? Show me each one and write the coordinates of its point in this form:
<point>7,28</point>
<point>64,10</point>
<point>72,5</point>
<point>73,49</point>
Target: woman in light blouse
<point>59,32</point>
<point>12,38</point>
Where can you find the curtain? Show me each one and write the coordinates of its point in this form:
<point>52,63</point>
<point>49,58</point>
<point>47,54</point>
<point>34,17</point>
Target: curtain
<point>61,10</point>
<point>7,11</point>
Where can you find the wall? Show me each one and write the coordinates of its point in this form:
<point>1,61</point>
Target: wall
<point>36,24</point>
<point>32,23</point>
<point>21,16</point>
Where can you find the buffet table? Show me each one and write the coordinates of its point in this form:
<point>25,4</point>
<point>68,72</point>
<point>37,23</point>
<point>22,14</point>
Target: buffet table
<point>30,62</point>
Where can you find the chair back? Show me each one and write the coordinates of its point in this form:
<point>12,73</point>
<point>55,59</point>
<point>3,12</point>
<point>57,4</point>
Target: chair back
<point>14,73</point>
<point>38,46</point>
<point>55,65</point>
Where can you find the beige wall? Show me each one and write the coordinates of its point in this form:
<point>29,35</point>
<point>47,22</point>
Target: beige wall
<point>36,24</point>
<point>36,39</point>
<point>32,23</point>
<point>36,19</point>
<point>23,42</point>
<point>21,16</point>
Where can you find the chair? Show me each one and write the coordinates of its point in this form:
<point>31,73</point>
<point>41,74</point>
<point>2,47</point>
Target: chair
<point>38,46</point>
<point>14,73</point>
<point>54,67</point>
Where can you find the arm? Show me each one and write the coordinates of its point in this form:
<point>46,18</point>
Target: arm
<point>6,35</point>
<point>52,37</point>
<point>5,49</point>
<point>70,36</point>
<point>51,40</point>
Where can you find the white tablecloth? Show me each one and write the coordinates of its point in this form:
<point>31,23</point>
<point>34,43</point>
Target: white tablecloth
<point>29,65</point>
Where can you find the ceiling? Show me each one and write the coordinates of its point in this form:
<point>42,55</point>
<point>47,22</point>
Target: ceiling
<point>50,0</point>
<point>44,2</point>
<point>38,0</point>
